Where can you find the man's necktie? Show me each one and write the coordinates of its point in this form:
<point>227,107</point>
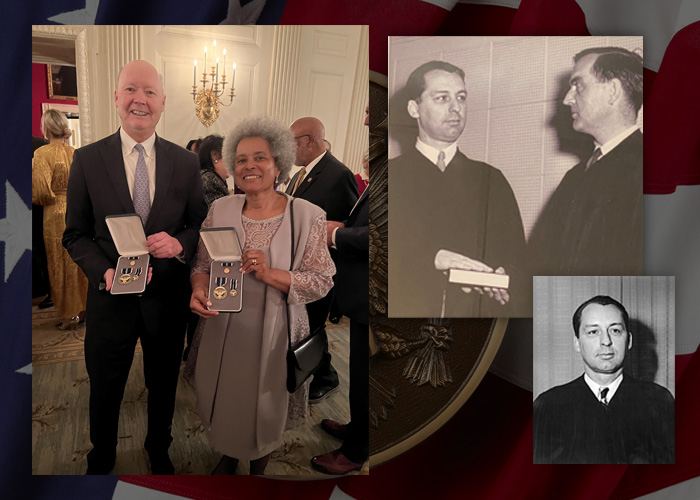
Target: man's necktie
<point>302,173</point>
<point>594,158</point>
<point>441,161</point>
<point>603,394</point>
<point>142,194</point>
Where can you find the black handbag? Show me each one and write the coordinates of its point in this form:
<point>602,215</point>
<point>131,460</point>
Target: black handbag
<point>305,358</point>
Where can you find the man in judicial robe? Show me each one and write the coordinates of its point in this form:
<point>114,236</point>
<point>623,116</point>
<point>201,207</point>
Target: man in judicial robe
<point>593,224</point>
<point>605,416</point>
<point>447,211</point>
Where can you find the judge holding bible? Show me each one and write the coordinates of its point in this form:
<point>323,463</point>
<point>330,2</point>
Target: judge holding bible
<point>134,170</point>
<point>240,374</point>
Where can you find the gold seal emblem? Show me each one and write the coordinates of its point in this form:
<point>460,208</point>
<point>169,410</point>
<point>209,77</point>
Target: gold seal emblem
<point>124,279</point>
<point>227,270</point>
<point>220,293</point>
<point>234,293</point>
<point>132,262</point>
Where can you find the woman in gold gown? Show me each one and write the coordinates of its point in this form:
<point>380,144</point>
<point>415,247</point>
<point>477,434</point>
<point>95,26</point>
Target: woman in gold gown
<point>50,170</point>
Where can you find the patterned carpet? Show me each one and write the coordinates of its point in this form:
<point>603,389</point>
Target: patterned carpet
<point>60,429</point>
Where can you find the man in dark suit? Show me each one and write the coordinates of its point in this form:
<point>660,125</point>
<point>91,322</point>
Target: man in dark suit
<point>593,223</point>
<point>327,183</point>
<point>449,212</point>
<point>604,416</point>
<point>106,178</point>
<point>351,239</point>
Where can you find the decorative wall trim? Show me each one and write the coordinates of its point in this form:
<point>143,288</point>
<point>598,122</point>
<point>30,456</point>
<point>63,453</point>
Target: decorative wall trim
<point>285,68</point>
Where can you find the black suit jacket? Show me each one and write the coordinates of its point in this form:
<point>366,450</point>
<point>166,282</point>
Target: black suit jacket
<point>330,185</point>
<point>97,187</point>
<point>352,263</point>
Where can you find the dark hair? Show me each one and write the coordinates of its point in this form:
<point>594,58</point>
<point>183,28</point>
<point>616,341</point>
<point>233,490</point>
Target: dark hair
<point>415,85</point>
<point>194,141</point>
<point>602,300</point>
<point>626,66</point>
<point>209,143</point>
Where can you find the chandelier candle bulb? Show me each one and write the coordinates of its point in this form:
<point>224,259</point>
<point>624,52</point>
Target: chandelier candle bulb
<point>233,78</point>
<point>217,70</point>
<point>205,58</point>
<point>194,78</point>
<point>224,62</point>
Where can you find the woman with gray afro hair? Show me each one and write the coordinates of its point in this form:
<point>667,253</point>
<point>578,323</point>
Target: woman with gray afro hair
<point>250,295</point>
<point>279,139</point>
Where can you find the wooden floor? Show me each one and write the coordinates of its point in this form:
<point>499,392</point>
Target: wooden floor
<point>60,430</point>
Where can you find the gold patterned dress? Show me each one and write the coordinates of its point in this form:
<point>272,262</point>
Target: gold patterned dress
<point>50,170</point>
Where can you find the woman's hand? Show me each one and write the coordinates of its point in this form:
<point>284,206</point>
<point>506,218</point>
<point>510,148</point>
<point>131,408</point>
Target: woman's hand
<point>199,303</point>
<point>253,261</point>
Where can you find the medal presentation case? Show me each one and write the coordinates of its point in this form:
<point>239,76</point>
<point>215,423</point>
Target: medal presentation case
<point>132,267</point>
<point>225,279</point>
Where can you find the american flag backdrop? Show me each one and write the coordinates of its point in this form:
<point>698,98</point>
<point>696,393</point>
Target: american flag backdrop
<point>485,451</point>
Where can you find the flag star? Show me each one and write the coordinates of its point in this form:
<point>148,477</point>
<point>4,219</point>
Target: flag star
<point>81,16</point>
<point>26,369</point>
<point>15,229</point>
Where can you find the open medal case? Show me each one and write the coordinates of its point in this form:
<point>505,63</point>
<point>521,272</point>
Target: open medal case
<point>132,267</point>
<point>225,279</point>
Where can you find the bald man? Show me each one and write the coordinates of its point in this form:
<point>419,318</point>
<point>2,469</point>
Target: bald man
<point>327,183</point>
<point>102,183</point>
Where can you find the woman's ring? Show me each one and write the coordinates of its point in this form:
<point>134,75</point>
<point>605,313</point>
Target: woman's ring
<point>255,262</point>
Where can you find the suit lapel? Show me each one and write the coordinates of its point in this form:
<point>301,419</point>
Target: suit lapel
<point>164,175</point>
<point>114,164</point>
<point>312,177</point>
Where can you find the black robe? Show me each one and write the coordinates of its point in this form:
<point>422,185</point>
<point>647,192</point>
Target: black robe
<point>469,209</point>
<point>572,427</point>
<point>593,223</point>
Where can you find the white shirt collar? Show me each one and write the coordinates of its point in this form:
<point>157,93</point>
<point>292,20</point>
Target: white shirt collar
<point>615,141</point>
<point>595,387</point>
<point>432,153</point>
<point>313,163</point>
<point>128,143</point>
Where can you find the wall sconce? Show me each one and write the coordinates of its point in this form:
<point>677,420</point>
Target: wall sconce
<point>207,100</point>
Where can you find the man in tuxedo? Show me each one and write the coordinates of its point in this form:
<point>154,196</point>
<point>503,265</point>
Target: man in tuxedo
<point>604,416</point>
<point>449,212</point>
<point>130,171</point>
<point>327,183</point>
<point>351,240</point>
<point>593,223</point>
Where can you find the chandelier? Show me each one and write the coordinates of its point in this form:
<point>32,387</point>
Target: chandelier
<point>207,100</point>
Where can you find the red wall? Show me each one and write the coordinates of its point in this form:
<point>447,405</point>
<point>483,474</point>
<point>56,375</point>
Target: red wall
<point>40,94</point>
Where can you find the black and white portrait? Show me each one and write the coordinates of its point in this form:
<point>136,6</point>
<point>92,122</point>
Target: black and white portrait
<point>510,157</point>
<point>603,370</point>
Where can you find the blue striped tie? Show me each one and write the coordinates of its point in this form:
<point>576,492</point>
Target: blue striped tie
<point>142,195</point>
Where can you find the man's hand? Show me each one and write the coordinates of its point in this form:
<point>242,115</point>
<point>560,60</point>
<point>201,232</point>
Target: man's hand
<point>163,246</point>
<point>331,225</point>
<point>446,260</point>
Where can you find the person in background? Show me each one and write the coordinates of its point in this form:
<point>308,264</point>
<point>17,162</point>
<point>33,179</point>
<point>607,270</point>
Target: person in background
<point>40,271</point>
<point>193,145</point>
<point>351,239</point>
<point>363,177</point>
<point>327,183</point>
<point>50,171</point>
<point>214,173</point>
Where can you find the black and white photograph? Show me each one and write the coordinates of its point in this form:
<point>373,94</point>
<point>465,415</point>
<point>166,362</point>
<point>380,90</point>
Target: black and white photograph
<point>510,157</point>
<point>604,370</point>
